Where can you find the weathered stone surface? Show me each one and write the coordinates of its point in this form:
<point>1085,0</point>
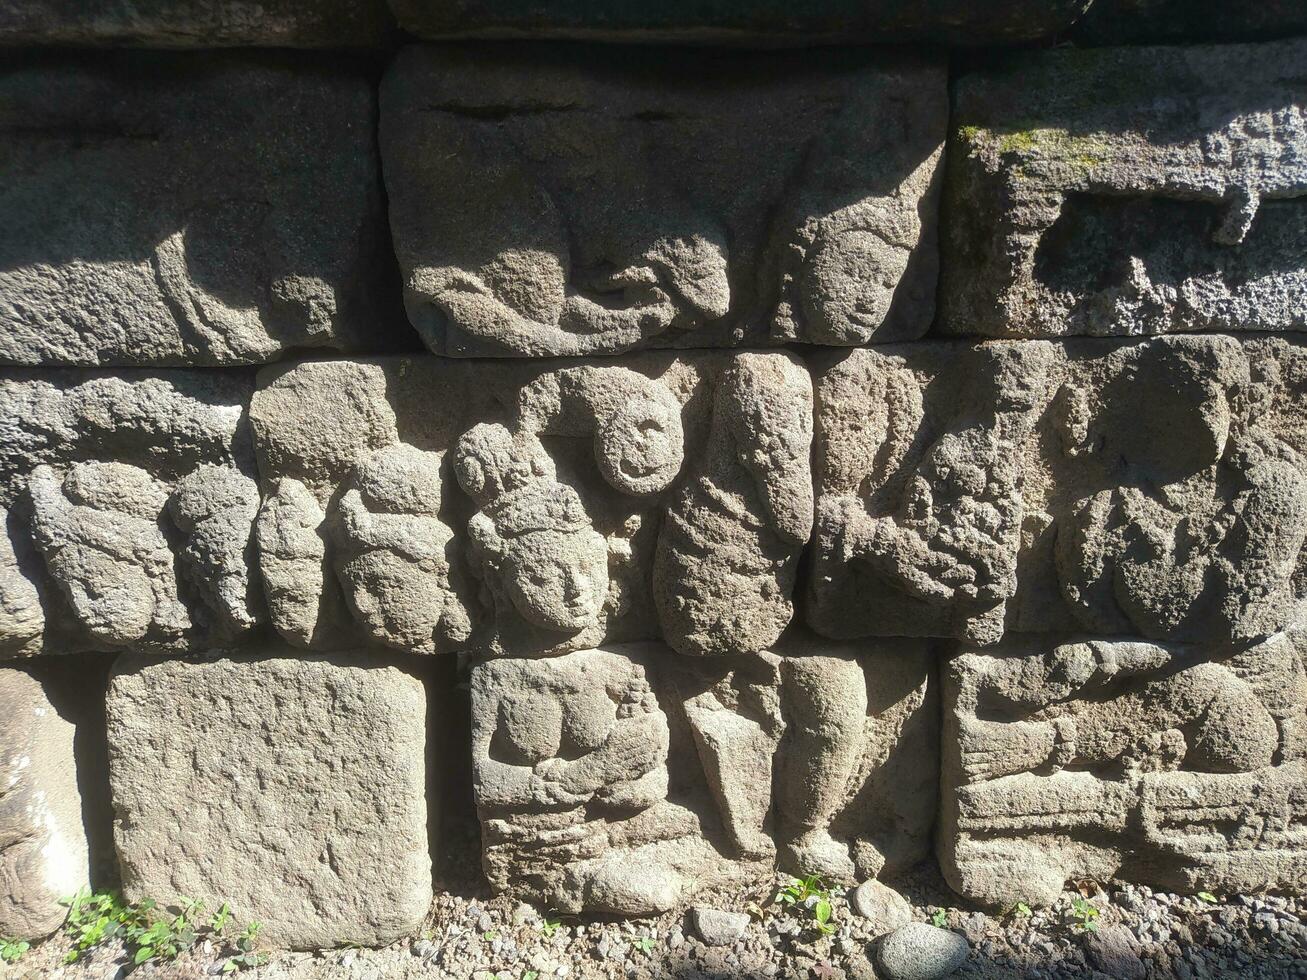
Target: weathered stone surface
<point>569,203</point>
<point>1129,191</point>
<point>130,501</point>
<point>622,780</point>
<point>291,787</point>
<point>194,23</point>
<point>918,951</point>
<point>770,21</point>
<point>211,210</point>
<point>1179,767</point>
<point>43,844</point>
<point>1154,488</point>
<point>535,509</point>
<point>1133,21</point>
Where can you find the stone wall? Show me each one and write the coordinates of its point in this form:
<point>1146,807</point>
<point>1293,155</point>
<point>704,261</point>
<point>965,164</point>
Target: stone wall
<point>836,440</point>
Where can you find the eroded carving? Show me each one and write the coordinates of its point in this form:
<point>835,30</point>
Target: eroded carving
<point>624,779</point>
<point>1172,766</point>
<point>541,510</point>
<point>1085,204</point>
<point>572,209</point>
<point>1155,489</point>
<point>161,213</point>
<point>130,504</point>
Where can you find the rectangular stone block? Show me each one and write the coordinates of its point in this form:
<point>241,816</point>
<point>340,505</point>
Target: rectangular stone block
<point>1129,191</point>
<point>44,857</point>
<point>195,23</point>
<point>291,787</point>
<point>1152,488</point>
<point>555,202</point>
<point>1169,21</point>
<point>624,779</point>
<point>774,22</point>
<point>521,508</point>
<point>1172,766</point>
<point>128,502</point>
<point>169,210</point>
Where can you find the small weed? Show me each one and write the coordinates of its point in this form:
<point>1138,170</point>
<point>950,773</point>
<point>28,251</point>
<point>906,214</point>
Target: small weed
<point>1207,897</point>
<point>809,893</point>
<point>248,956</point>
<point>490,936</point>
<point>940,919</point>
<point>550,926</point>
<point>220,919</point>
<point>1018,910</point>
<point>12,950</point>
<point>150,935</point>
<point>529,975</point>
<point>1085,914</point>
<point>645,944</point>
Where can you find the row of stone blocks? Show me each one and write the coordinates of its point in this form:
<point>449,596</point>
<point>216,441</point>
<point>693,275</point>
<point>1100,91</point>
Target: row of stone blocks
<point>554,201</point>
<point>302,789</point>
<point>363,23</point>
<point>1060,583</point>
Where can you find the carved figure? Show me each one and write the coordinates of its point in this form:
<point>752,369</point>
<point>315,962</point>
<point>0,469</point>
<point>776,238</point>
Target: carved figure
<point>542,561</point>
<point>392,552</point>
<point>728,551</point>
<point>1198,533</point>
<point>570,766</point>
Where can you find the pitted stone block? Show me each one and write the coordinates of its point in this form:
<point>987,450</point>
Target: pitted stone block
<point>571,204</point>
<point>1129,191</point>
<point>198,209</point>
<point>195,23</point>
<point>511,508</point>
<point>291,787</point>
<point>625,779</point>
<point>1177,767</point>
<point>1154,488</point>
<point>43,840</point>
<point>770,22</point>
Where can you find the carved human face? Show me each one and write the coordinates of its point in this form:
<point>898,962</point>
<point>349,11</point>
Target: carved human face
<point>558,580</point>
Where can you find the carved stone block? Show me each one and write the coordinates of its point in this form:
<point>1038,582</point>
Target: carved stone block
<point>211,210</point>
<point>770,21</point>
<point>43,842</point>
<point>1129,191</point>
<point>128,503</point>
<point>623,779</point>
<point>195,23</point>
<point>1166,765</point>
<point>511,508</point>
<point>291,787</point>
<point>564,205</point>
<point>1154,488</point>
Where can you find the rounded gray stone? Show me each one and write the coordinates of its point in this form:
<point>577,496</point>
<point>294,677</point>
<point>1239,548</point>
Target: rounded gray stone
<point>717,927</point>
<point>918,951</point>
<point>881,905</point>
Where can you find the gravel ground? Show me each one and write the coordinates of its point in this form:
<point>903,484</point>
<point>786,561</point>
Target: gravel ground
<point>472,936</point>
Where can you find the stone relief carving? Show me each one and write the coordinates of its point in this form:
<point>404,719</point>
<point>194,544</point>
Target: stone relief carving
<point>1156,489</point>
<point>537,512</point>
<point>1086,205</point>
<point>624,779</point>
<point>161,213</point>
<point>1180,767</point>
<point>130,505</point>
<point>570,208</point>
